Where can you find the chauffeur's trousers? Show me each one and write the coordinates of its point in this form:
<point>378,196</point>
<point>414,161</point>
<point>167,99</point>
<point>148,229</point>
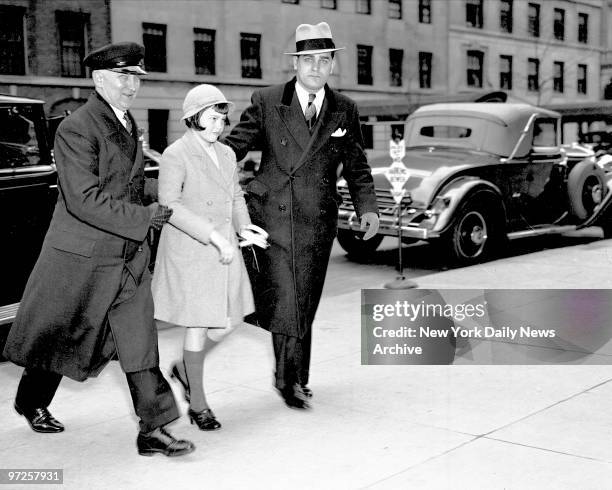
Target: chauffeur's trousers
<point>151,394</point>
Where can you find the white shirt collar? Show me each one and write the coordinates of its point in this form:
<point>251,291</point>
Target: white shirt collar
<point>302,94</point>
<point>120,115</point>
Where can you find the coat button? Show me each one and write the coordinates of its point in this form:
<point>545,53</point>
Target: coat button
<point>209,203</point>
<point>227,220</point>
<point>282,207</point>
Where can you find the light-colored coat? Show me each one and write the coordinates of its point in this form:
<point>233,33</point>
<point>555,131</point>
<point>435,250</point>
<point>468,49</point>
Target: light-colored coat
<point>191,287</point>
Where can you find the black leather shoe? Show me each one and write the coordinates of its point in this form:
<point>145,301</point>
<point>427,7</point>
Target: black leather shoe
<point>307,392</point>
<point>176,374</point>
<point>41,420</point>
<point>293,401</point>
<point>205,419</point>
<point>160,441</point>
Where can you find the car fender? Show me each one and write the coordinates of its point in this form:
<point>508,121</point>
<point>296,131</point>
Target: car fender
<point>455,193</point>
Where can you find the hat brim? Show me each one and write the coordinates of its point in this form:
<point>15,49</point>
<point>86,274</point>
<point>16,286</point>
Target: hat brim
<point>315,51</point>
<point>195,110</point>
<point>130,70</point>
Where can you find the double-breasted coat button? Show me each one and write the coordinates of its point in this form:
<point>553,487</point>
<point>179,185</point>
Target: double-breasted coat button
<point>282,207</point>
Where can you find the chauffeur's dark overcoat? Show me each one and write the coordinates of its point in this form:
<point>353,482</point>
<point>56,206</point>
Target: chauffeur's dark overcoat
<point>293,197</point>
<point>92,273</point>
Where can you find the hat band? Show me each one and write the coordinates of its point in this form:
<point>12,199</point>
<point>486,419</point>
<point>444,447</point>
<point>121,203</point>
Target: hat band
<point>314,44</point>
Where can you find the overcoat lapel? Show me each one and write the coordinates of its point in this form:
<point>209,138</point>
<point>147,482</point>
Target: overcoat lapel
<point>292,116</point>
<point>328,121</point>
<point>113,130</point>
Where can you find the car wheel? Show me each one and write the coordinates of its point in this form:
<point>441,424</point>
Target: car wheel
<point>474,235</point>
<point>585,187</point>
<point>354,244</point>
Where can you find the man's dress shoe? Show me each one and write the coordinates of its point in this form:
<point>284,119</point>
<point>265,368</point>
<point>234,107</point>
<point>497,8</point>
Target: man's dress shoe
<point>307,392</point>
<point>41,420</point>
<point>292,400</point>
<point>160,441</point>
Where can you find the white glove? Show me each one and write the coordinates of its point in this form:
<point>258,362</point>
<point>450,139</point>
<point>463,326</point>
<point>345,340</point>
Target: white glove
<point>253,235</point>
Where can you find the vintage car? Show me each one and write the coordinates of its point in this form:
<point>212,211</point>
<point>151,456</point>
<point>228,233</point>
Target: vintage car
<point>28,192</point>
<point>476,175</point>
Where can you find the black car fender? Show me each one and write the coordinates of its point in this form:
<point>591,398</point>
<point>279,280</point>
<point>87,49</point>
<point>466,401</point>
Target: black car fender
<point>452,195</point>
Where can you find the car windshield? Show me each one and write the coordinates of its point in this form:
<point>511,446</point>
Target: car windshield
<point>18,140</point>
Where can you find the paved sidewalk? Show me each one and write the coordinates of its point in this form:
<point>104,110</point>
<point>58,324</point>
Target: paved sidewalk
<point>379,427</point>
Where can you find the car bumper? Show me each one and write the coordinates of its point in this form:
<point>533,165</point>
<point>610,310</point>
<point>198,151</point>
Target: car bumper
<point>389,226</point>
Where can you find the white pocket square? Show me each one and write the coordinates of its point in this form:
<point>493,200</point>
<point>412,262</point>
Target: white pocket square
<point>338,133</point>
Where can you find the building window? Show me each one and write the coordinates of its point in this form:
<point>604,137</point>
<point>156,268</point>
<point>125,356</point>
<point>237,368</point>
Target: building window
<point>583,28</point>
<point>12,50</point>
<point>559,24</point>
<point>558,81</point>
<point>395,9</point>
<point>474,68</point>
<point>396,59</point>
<point>154,40</point>
<point>473,13</point>
<point>533,75</point>
<point>533,19</point>
<point>425,11</point>
<point>505,15</point>
<point>71,27</point>
<point>505,72</point>
<point>364,65</point>
<point>249,54</point>
<point>425,70</point>
<point>363,7</point>
<point>294,2</point>
<point>204,51</point>
<point>158,129</point>
<point>328,4</point>
<point>581,82</point>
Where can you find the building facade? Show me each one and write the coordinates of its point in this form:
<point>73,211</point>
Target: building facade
<point>540,51</point>
<point>42,45</point>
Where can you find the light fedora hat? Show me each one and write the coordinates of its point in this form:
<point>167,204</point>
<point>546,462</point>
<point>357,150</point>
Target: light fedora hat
<point>313,39</point>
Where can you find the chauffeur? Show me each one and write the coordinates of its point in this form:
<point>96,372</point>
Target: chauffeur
<point>88,299</point>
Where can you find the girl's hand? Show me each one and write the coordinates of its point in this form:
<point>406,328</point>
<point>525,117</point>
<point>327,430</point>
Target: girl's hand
<point>226,250</point>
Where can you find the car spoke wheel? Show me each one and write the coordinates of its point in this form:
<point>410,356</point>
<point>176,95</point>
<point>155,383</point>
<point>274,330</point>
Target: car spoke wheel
<point>586,189</point>
<point>354,244</point>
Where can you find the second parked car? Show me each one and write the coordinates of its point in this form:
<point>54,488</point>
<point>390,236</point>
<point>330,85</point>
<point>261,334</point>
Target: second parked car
<point>478,174</point>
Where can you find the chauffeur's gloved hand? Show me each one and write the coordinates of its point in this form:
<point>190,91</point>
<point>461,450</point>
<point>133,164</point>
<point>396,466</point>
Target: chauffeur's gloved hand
<point>371,220</point>
<point>160,217</point>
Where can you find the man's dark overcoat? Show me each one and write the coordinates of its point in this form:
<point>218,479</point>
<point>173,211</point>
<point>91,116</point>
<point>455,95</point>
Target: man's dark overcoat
<point>293,197</point>
<point>95,249</point>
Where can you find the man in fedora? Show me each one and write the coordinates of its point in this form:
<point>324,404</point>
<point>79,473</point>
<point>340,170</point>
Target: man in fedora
<point>88,299</point>
<point>306,132</point>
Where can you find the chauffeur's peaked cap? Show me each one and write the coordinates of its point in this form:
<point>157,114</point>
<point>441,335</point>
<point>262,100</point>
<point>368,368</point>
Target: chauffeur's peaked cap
<point>125,57</point>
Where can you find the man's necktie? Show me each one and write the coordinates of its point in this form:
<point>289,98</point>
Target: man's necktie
<point>311,111</point>
<point>128,123</point>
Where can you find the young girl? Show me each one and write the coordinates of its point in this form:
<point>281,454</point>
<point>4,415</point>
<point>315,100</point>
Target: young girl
<point>200,281</point>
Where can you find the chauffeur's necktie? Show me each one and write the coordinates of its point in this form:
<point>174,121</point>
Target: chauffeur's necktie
<point>128,122</point>
<point>311,111</point>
